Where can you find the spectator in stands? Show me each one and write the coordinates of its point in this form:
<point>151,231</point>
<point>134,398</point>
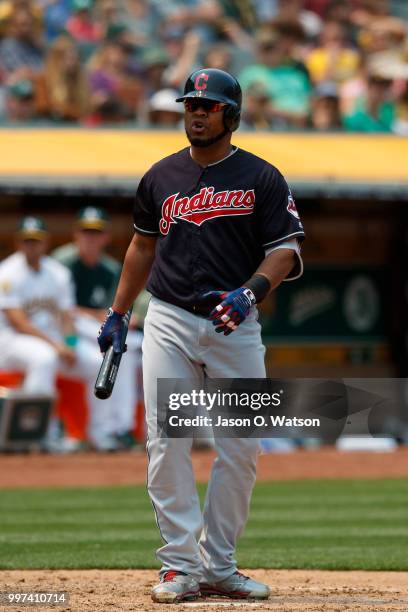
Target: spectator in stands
<point>20,101</point>
<point>340,11</point>
<point>164,111</point>
<point>293,10</point>
<point>374,112</point>
<point>136,48</point>
<point>325,110</point>
<point>141,20</point>
<point>367,11</point>
<point>37,330</point>
<point>237,22</point>
<point>95,276</point>
<point>257,113</point>
<point>381,34</point>
<point>292,38</point>
<point>155,62</point>
<point>400,125</point>
<point>65,81</point>
<point>286,83</point>
<point>107,15</point>
<point>56,15</point>
<point>354,88</point>
<point>20,47</point>
<point>182,50</point>
<point>116,92</point>
<point>203,16</point>
<point>240,12</point>
<point>82,25</point>
<point>9,7</point>
<point>266,10</point>
<point>333,59</point>
<point>317,6</point>
<point>218,56</point>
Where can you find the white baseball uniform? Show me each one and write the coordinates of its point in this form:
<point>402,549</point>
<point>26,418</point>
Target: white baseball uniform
<point>43,295</point>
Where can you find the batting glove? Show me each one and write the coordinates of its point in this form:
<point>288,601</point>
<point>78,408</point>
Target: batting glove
<point>232,310</point>
<point>112,332</point>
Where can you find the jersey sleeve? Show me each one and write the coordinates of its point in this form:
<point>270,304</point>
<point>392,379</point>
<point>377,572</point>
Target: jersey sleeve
<point>10,296</point>
<point>277,217</point>
<point>145,221</point>
<point>293,245</point>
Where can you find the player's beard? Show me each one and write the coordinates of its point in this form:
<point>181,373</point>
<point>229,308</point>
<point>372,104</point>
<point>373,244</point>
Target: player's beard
<point>200,142</point>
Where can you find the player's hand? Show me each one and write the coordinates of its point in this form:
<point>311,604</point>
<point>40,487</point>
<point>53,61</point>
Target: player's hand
<point>232,310</point>
<point>112,333</point>
<point>66,354</point>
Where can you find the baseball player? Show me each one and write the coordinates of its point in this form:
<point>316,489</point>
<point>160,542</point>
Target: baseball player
<point>216,230</point>
<point>37,331</point>
<point>95,276</point>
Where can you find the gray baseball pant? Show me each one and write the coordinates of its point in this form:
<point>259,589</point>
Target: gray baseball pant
<point>179,344</point>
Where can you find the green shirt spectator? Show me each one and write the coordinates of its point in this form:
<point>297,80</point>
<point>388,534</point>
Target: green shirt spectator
<point>374,112</point>
<point>362,121</point>
<point>286,85</point>
<point>284,79</point>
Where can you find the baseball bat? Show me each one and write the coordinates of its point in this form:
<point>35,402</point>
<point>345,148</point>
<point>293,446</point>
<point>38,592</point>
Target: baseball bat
<point>110,365</point>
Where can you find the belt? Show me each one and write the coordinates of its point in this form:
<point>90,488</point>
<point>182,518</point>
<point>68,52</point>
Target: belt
<point>199,309</point>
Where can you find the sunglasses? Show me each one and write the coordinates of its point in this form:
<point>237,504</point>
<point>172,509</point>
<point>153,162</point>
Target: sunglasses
<point>210,106</point>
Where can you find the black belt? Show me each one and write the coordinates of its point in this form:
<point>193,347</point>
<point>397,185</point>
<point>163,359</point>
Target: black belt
<point>199,309</point>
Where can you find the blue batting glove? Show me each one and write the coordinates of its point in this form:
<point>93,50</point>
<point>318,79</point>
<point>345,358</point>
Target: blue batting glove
<point>112,332</point>
<point>232,310</point>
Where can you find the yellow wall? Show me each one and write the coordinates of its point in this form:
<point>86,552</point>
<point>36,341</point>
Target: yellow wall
<point>63,152</point>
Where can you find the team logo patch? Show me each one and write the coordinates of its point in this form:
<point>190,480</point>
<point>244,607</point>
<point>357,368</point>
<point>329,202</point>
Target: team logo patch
<point>201,81</point>
<point>5,287</point>
<point>291,207</point>
<point>205,205</point>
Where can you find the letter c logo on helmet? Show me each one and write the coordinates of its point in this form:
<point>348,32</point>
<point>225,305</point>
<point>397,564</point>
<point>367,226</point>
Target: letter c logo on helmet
<point>218,85</point>
<point>201,81</point>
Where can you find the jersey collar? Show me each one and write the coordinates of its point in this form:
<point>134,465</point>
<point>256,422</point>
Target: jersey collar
<point>233,150</point>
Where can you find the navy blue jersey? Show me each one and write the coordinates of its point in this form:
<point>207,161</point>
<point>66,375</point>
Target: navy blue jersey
<point>213,224</point>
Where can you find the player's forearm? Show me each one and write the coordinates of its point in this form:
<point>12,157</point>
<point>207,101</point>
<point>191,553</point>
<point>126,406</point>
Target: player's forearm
<point>22,325</point>
<point>136,268</point>
<point>277,265</point>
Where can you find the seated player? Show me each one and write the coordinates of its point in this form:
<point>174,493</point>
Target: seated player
<point>37,329</point>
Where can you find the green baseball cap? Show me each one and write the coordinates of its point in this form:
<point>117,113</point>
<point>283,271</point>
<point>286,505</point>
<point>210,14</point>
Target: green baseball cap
<point>92,218</point>
<point>32,228</point>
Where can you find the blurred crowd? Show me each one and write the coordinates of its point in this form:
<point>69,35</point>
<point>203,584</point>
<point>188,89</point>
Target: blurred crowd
<point>323,65</point>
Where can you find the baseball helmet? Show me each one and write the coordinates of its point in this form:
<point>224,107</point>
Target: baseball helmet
<point>218,85</point>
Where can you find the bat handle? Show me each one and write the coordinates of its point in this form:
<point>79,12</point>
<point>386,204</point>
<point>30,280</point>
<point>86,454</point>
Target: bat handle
<point>107,374</point>
<point>110,366</point>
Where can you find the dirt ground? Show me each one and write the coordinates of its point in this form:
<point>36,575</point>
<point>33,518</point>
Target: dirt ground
<point>295,590</point>
<point>92,469</point>
<point>292,591</point>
